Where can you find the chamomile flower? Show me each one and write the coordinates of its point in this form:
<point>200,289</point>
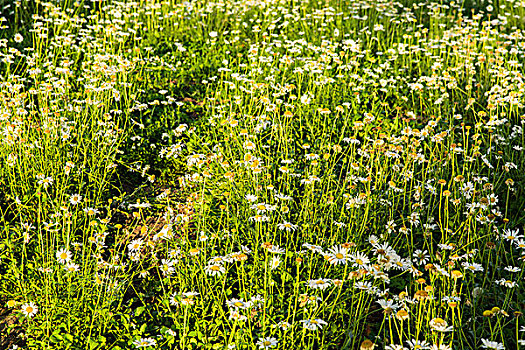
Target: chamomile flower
<point>275,262</point>
<point>420,257</point>
<point>511,235</point>
<point>238,304</point>
<point>359,259</point>
<point>472,267</point>
<point>395,347</point>
<point>71,267</point>
<point>46,182</point>
<point>250,198</point>
<point>415,344</point>
<point>512,269</point>
<point>266,343</point>
<point>389,306</point>
<point>283,325</point>
<point>313,247</point>
<point>440,325</point>
<point>275,249</point>
<point>321,283</point>
<point>167,266</point>
<point>74,199</point>
<point>135,245</point>
<point>337,255</point>
<point>214,270</point>
<point>440,347</point>
<point>29,309</point>
<point>491,345</point>
<point>287,226</point>
<point>313,324</point>
<point>506,283</point>
<point>63,255</point>
<point>91,211</point>
<point>144,342</point>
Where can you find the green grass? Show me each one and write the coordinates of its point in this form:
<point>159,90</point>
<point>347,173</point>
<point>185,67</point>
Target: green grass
<point>262,174</point>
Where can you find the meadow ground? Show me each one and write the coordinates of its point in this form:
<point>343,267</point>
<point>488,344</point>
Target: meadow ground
<point>262,174</point>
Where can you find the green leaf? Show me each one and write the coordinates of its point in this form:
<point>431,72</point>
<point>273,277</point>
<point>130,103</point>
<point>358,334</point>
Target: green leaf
<point>139,310</point>
<point>69,338</point>
<point>142,328</point>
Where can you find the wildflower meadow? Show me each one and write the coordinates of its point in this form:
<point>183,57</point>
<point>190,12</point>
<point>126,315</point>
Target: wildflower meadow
<point>262,174</point>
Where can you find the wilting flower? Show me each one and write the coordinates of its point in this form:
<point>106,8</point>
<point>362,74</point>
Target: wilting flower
<point>440,325</point>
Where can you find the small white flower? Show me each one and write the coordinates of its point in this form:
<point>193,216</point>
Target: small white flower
<point>214,269</point>
<point>265,343</point>
<point>313,324</point>
<point>74,199</point>
<point>29,309</point>
<point>493,345</point>
<point>144,342</point>
<point>63,256</point>
<point>275,262</point>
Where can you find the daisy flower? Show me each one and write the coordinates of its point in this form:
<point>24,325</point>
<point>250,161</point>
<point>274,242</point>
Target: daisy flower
<point>275,262</point>
<point>46,182</point>
<point>74,199</point>
<point>337,255</point>
<point>71,267</point>
<point>321,283</point>
<point>389,306</point>
<point>359,260</point>
<point>91,211</point>
<point>472,267</point>
<point>395,347</point>
<point>214,269</point>
<point>313,324</point>
<point>135,245</point>
<point>238,304</point>
<point>63,255</point>
<point>440,347</point>
<point>313,247</point>
<point>144,342</point>
<point>440,325</point>
<point>29,309</point>
<point>492,345</point>
<point>276,249</point>
<point>418,344</point>
<point>287,226</point>
<point>266,343</point>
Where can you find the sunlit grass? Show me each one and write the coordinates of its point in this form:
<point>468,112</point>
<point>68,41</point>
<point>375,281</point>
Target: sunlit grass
<point>262,174</point>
